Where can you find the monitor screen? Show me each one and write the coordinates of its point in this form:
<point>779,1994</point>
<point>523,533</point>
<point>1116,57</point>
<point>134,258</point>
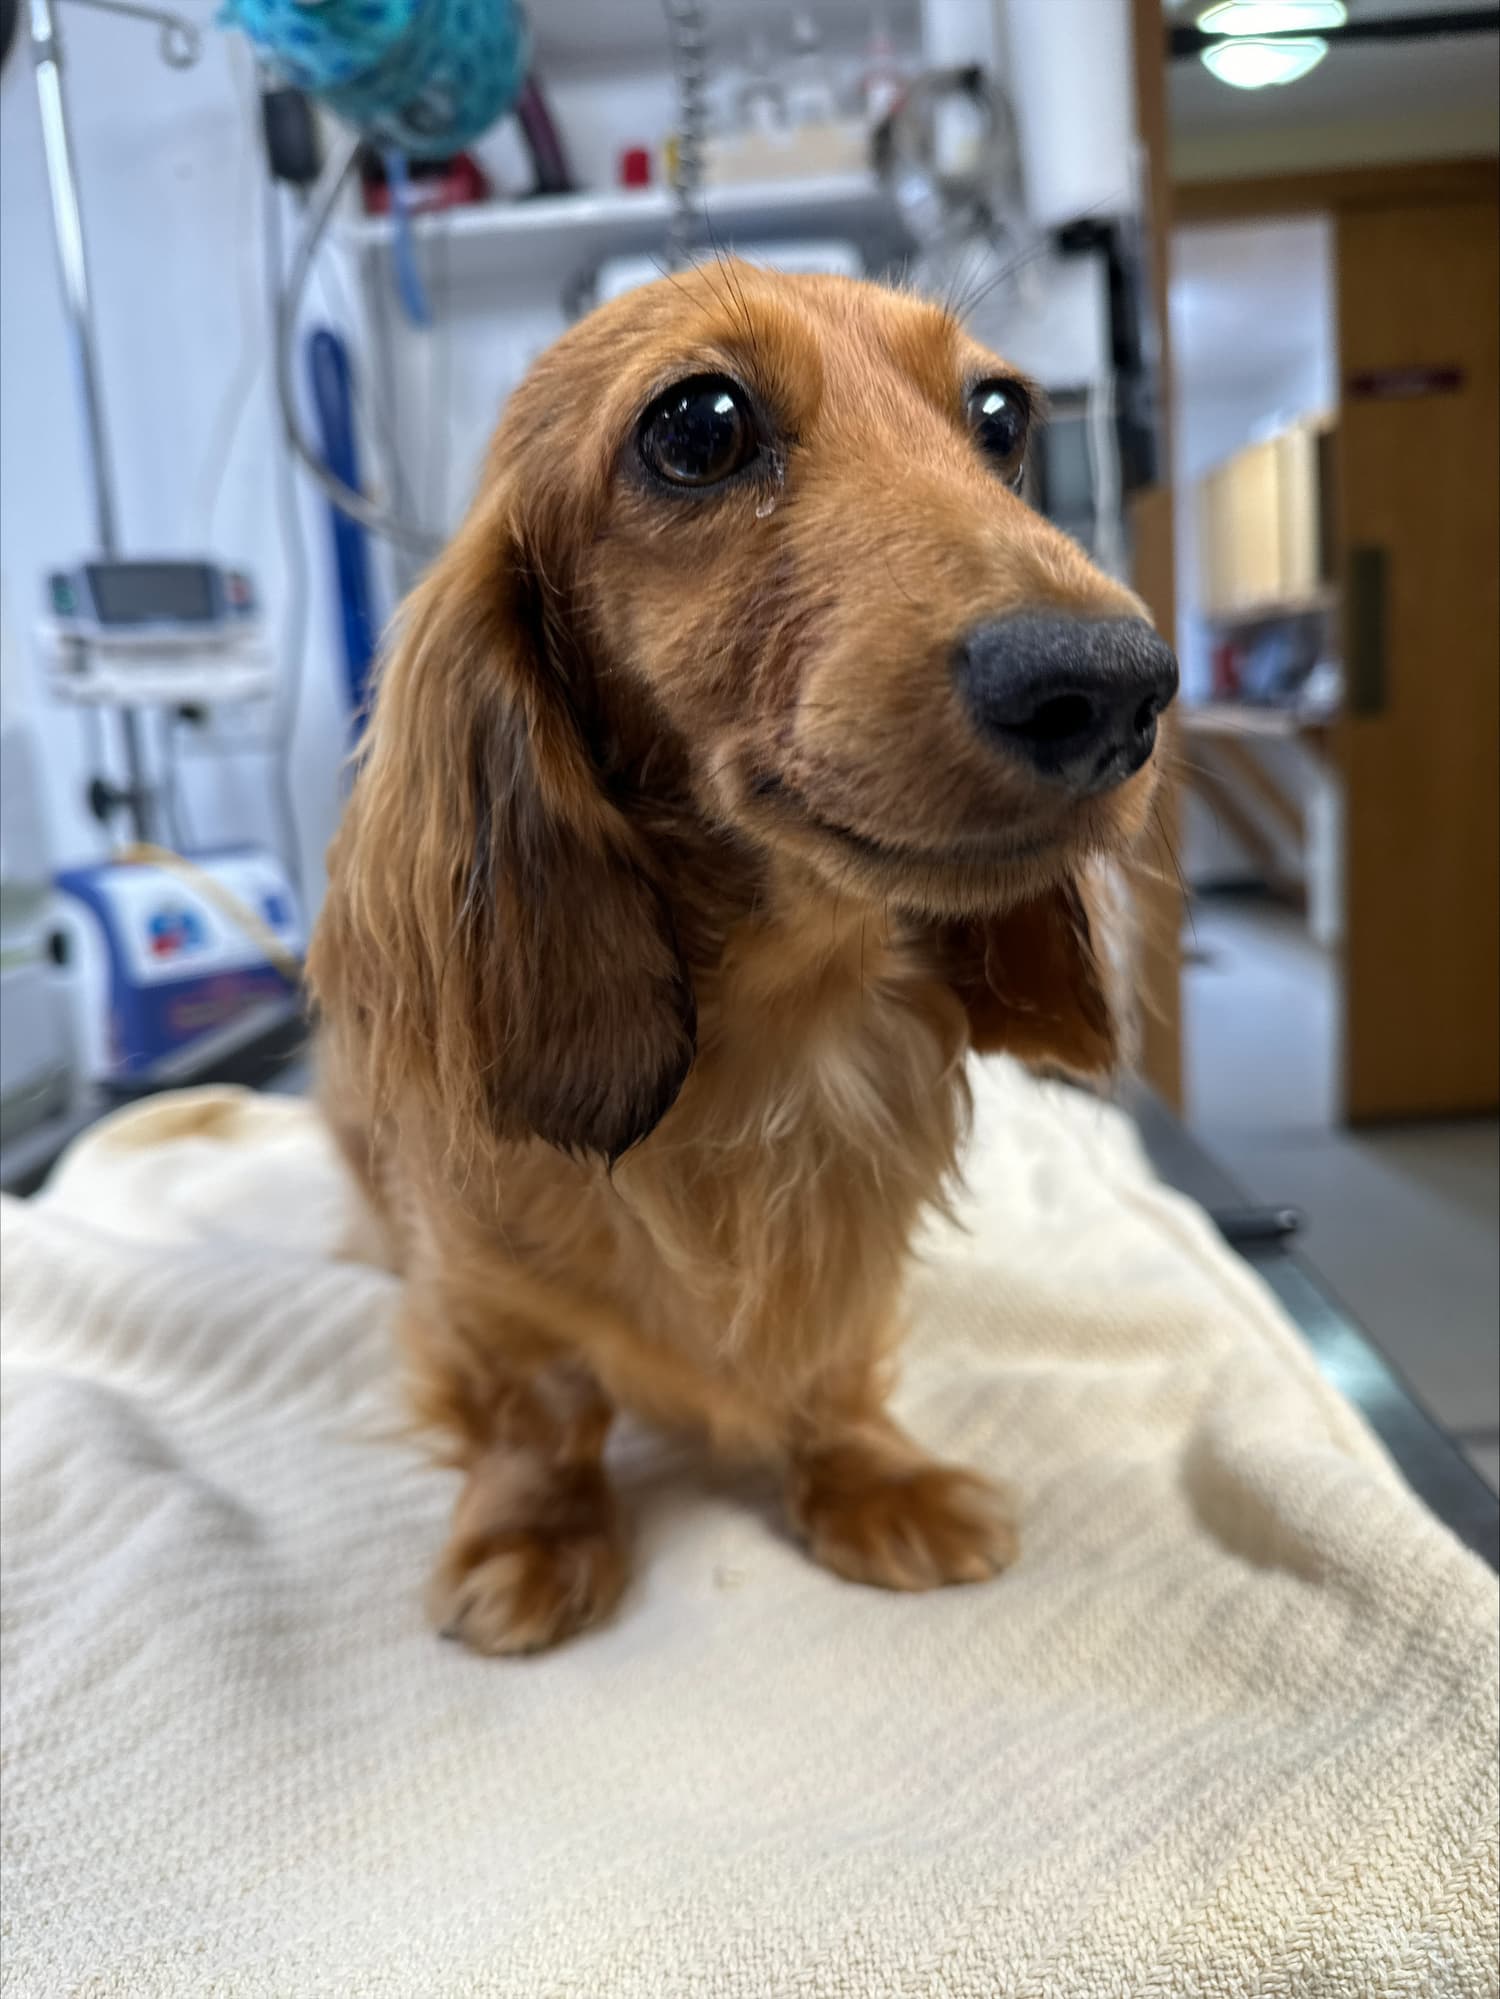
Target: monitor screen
<point>149,593</point>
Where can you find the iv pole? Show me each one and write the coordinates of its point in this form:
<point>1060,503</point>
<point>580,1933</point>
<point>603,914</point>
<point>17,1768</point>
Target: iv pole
<point>179,47</point>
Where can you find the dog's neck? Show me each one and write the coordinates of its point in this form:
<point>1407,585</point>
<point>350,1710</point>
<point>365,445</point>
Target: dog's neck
<point>778,957</point>
<point>801,957</point>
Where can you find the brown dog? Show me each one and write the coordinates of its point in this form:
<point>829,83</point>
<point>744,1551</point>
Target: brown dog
<point>749,757</point>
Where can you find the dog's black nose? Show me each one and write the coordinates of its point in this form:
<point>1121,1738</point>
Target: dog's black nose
<point>1076,698</point>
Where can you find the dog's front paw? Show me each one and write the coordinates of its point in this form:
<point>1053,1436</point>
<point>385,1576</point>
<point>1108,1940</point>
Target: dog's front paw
<point>534,1558</point>
<point>917,1527</point>
<point>524,1592</point>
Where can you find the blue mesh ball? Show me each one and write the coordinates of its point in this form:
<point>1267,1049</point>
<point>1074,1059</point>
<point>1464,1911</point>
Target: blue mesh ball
<point>425,76</point>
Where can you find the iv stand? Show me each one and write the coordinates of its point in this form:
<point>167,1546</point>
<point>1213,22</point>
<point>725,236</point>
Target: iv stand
<point>136,796</point>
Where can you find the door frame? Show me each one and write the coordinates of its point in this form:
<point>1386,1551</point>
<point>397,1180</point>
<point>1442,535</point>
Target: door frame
<point>1326,190</point>
<point>1171,204</point>
<point>1157,892</point>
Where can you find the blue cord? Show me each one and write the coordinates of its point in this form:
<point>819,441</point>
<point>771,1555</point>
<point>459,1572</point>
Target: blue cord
<point>409,287</point>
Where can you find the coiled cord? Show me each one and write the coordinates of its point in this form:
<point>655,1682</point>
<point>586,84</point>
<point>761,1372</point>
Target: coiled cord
<point>689,41</point>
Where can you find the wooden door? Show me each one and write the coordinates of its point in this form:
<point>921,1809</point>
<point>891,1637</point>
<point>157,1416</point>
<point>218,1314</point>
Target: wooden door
<point>1419,504</point>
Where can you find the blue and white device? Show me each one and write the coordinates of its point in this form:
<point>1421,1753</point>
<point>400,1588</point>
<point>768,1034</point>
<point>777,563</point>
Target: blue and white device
<point>166,972</point>
<point>155,632</point>
<point>156,600</point>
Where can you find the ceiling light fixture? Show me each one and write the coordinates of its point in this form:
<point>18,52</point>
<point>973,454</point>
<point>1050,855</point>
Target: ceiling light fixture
<point>1272,17</point>
<point>1253,65</point>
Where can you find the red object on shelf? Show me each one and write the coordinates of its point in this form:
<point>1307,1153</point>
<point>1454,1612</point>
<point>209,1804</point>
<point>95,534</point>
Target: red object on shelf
<point>451,183</point>
<point>635,167</point>
<point>1226,670</point>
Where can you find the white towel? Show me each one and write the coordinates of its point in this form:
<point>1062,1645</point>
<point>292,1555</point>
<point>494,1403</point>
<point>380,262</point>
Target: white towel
<point>1228,1728</point>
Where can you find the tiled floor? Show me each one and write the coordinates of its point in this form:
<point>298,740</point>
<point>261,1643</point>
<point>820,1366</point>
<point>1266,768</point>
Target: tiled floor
<point>1402,1223</point>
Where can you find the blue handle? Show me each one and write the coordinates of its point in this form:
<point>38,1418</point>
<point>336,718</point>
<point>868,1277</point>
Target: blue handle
<point>333,401</point>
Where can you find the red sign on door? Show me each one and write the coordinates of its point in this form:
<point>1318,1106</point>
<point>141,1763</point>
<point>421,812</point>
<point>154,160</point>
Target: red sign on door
<point>1401,384</point>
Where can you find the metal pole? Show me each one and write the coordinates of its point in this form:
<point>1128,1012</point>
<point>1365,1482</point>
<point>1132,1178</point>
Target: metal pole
<point>67,222</point>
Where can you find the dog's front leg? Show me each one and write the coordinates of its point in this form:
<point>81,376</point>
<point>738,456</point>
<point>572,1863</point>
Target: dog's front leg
<point>536,1551</point>
<point>875,1508</point>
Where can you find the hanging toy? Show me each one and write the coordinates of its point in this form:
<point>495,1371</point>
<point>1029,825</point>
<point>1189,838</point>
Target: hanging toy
<point>426,77</point>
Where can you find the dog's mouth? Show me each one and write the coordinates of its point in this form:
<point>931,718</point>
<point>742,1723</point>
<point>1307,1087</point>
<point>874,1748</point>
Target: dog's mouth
<point>997,850</point>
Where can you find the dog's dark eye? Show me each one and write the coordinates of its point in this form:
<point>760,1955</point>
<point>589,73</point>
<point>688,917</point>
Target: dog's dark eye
<point>698,433</point>
<point>1000,417</point>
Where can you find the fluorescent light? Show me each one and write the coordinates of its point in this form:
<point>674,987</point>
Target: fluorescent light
<point>1271,17</point>
<point>1251,65</point>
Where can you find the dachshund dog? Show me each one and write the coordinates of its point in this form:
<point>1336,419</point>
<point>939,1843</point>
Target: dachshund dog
<point>751,755</point>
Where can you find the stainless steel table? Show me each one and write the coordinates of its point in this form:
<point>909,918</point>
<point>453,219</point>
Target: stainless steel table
<point>1432,1464</point>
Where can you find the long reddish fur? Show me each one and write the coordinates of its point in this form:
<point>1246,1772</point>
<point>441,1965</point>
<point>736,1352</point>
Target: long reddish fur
<point>648,1082</point>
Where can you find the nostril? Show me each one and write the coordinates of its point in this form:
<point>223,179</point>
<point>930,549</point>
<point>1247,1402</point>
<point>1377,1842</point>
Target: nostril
<point>1076,699</point>
<point>1056,720</point>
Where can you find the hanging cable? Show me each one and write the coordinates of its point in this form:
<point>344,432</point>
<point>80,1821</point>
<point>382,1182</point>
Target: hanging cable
<point>254,337</point>
<point>322,201</point>
<point>298,584</point>
<point>181,43</point>
<point>233,908</point>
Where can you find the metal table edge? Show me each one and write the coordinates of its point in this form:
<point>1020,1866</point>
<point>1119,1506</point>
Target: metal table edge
<point>1429,1460</point>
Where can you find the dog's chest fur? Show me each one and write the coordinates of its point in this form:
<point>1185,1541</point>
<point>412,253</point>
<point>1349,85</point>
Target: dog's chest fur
<point>764,1223</point>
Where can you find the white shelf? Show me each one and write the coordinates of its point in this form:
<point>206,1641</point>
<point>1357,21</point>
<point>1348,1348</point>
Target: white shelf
<point>126,669</point>
<point>575,36</point>
<point>570,235</point>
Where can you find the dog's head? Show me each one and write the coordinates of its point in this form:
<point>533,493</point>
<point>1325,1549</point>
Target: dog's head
<point>748,558</point>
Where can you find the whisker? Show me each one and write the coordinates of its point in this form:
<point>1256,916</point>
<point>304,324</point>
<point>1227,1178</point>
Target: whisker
<point>747,317</point>
<point>1166,840</point>
<point>673,278</point>
<point>1177,761</point>
<point>964,274</point>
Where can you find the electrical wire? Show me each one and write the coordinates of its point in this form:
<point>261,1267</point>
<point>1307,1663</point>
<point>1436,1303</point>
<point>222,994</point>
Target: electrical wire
<point>146,854</point>
<point>406,563</point>
<point>250,79</point>
<point>288,699</point>
<point>256,336</point>
<point>180,44</point>
<point>439,385</point>
<point>384,521</point>
<point>276,743</point>
<point>370,408</point>
<point>95,748</point>
<point>171,789</point>
<point>239,390</point>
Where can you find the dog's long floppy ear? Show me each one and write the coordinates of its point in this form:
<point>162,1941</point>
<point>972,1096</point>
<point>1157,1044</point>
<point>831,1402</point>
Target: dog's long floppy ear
<point>1042,982</point>
<point>495,937</point>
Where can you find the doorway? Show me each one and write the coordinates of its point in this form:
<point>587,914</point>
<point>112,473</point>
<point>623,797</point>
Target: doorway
<point>1337,508</point>
<point>1254,353</point>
